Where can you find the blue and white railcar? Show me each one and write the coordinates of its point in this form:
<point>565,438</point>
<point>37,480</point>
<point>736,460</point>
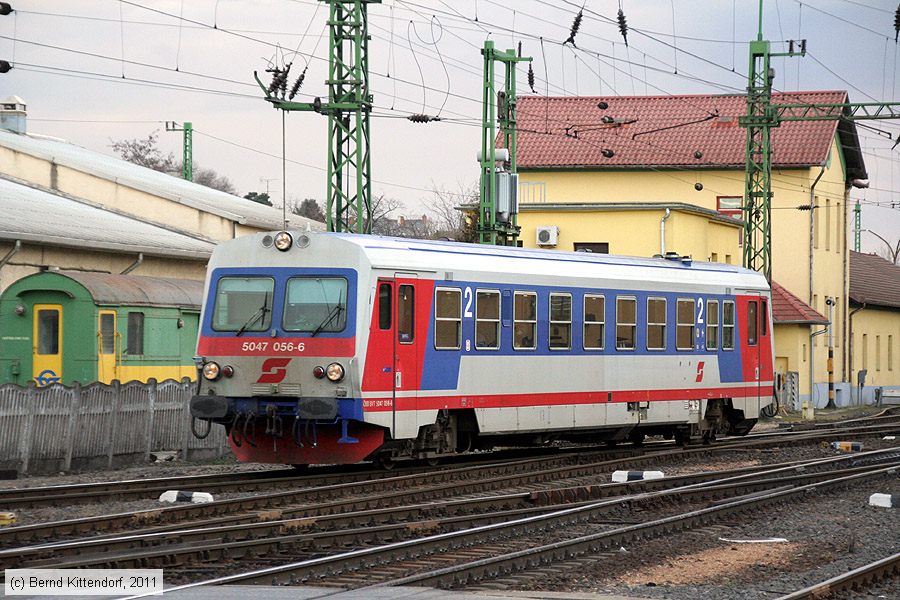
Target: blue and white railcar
<point>331,348</point>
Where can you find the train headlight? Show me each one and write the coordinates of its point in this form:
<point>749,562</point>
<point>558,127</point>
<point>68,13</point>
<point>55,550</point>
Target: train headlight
<point>211,371</point>
<point>283,240</point>
<point>334,372</point>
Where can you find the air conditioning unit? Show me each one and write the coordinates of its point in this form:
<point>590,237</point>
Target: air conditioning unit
<point>547,235</point>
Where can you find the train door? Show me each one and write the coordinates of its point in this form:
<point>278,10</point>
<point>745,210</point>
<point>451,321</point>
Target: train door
<point>46,358</point>
<point>398,296</point>
<point>766,368</point>
<point>107,338</point>
<point>753,312</point>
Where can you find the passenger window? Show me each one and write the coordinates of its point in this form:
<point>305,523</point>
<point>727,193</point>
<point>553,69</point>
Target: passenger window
<point>406,315</point>
<point>684,330</point>
<point>752,323</point>
<point>656,323</point>
<point>385,306</point>
<point>107,333</point>
<point>626,323</point>
<point>728,325</point>
<point>712,325</point>
<point>594,322</point>
<point>487,320</point>
<point>764,318</point>
<point>135,333</point>
<point>48,331</point>
<point>524,320</point>
<point>560,321</point>
<point>447,319</point>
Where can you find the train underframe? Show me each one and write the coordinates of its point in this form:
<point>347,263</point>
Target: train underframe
<point>268,435</point>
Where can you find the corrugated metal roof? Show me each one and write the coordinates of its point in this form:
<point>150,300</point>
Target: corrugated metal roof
<point>874,281</point>
<point>138,290</point>
<point>662,131</point>
<point>154,182</point>
<point>34,215</point>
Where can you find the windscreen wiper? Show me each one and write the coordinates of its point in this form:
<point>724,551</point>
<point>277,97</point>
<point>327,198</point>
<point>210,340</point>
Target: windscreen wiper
<point>261,313</point>
<point>328,319</point>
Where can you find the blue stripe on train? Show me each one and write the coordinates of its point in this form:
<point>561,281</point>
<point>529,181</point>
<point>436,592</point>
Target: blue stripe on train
<point>441,367</point>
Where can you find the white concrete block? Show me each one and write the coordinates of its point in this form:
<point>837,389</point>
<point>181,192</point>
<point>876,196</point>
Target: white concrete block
<point>623,476</point>
<point>884,500</point>
<point>178,496</point>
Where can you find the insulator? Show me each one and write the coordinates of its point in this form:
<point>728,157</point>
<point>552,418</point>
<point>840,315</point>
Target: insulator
<point>602,105</point>
<point>804,207</point>
<point>282,84</point>
<point>607,153</point>
<point>576,24</point>
<point>698,155</point>
<point>5,66</point>
<point>422,118</point>
<point>802,46</point>
<point>698,186</point>
<point>531,78</point>
<point>897,23</point>
<point>607,119</point>
<point>790,46</point>
<point>5,8</point>
<point>273,85</point>
<point>520,49</point>
<point>623,26</point>
<point>298,83</point>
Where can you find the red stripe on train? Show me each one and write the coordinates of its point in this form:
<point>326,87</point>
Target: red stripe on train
<point>255,346</point>
<point>562,399</point>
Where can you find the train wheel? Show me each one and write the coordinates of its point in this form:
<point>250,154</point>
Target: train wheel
<point>385,462</point>
<point>432,462</point>
<point>682,437</point>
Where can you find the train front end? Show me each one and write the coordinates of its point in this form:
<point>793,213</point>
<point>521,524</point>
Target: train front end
<point>277,351</point>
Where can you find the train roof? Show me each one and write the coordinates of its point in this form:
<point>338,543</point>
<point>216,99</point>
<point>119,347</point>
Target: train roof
<point>455,258</point>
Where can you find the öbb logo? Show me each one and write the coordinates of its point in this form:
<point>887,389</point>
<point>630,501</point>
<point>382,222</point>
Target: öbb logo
<point>274,370</point>
<point>699,371</point>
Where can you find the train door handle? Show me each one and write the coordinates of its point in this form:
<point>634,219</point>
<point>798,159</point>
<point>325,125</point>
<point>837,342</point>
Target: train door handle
<point>757,373</point>
<point>398,380</point>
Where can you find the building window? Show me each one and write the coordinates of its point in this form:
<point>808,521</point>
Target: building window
<point>728,325</point>
<point>827,224</point>
<point>447,318</point>
<point>524,320</point>
<point>592,247</point>
<point>727,259</point>
<point>890,353</point>
<point>487,319</point>
<point>714,257</point>
<point>684,331</point>
<point>560,321</point>
<point>594,321</point>
<point>135,333</point>
<point>406,314</point>
<point>626,323</point>
<point>729,205</point>
<point>712,324</point>
<point>656,323</point>
<point>865,351</point>
<point>877,352</point>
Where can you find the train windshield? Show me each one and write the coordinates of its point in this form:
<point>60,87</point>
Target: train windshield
<point>315,304</point>
<point>243,304</point>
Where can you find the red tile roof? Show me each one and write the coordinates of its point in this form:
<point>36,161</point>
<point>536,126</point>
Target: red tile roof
<point>788,308</point>
<point>874,281</point>
<point>661,131</point>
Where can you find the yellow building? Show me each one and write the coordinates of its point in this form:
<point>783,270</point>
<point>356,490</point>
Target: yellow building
<point>687,153</point>
<point>874,322</point>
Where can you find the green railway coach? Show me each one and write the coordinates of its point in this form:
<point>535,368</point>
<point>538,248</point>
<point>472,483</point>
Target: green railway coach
<point>67,326</point>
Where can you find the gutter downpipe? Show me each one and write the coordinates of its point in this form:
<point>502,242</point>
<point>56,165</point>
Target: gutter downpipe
<point>134,265</point>
<point>662,233</point>
<point>810,407</point>
<point>12,252</point>
<point>850,351</point>
<point>812,233</point>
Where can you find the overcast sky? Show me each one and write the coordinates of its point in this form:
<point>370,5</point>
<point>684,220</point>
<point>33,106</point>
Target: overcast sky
<point>200,68</point>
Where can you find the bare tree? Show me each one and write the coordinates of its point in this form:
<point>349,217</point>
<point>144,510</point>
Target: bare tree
<point>455,211</point>
<point>889,252</point>
<point>309,208</point>
<point>146,153</point>
<point>382,207</point>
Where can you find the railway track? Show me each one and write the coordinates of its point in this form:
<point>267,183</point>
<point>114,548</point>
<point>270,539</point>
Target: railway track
<point>342,524</point>
<point>856,579</point>
<point>486,550</point>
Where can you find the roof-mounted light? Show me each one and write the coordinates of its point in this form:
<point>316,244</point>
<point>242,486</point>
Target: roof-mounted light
<point>283,240</point>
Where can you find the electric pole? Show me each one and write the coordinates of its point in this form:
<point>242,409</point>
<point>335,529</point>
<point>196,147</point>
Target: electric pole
<point>349,189</point>
<point>187,154</point>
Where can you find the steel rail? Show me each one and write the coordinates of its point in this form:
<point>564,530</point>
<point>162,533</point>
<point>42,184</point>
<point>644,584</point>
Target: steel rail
<point>369,557</point>
<point>885,568</point>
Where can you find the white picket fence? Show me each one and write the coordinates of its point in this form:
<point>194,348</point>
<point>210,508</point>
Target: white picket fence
<point>58,428</point>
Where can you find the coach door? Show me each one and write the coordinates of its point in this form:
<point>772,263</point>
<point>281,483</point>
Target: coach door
<point>752,309</point>
<point>46,358</point>
<point>405,341</point>
<point>107,346</point>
